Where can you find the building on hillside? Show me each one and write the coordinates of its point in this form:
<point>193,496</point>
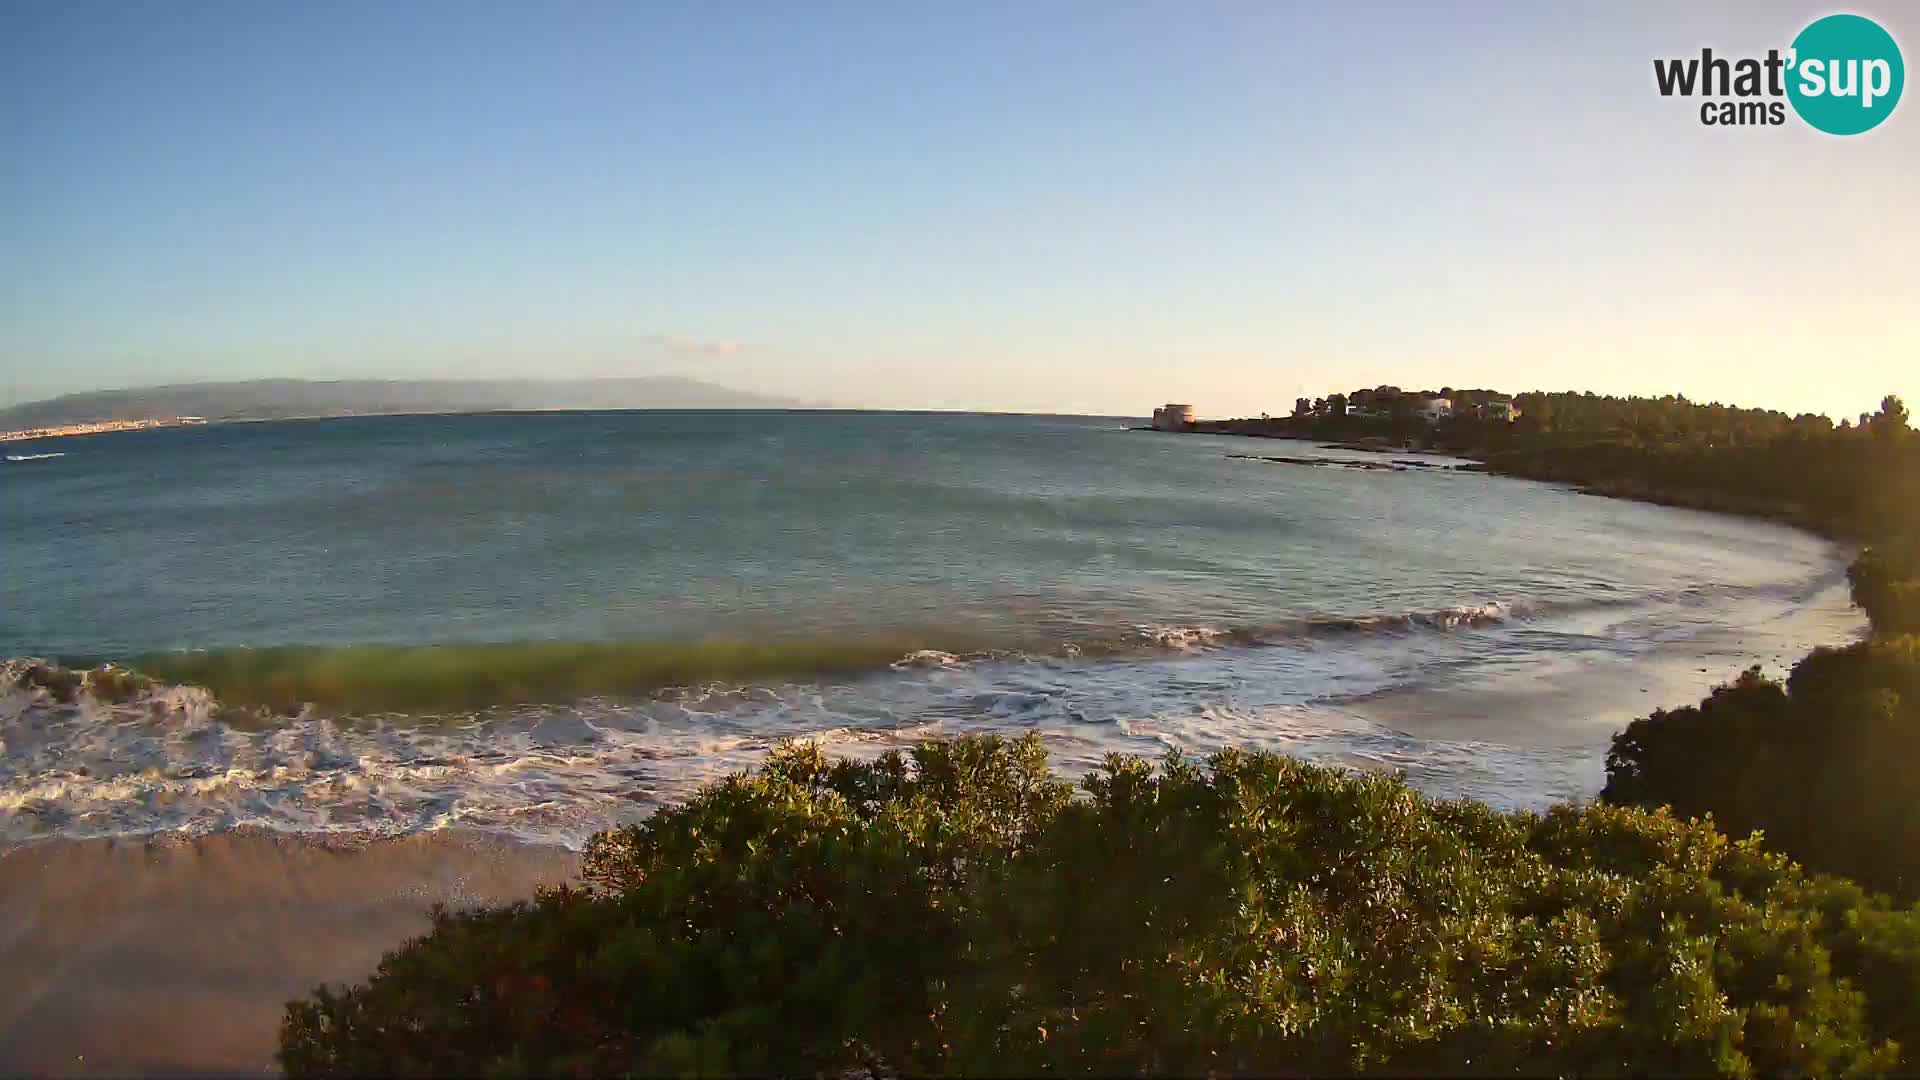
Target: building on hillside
<point>1377,402</point>
<point>1500,409</point>
<point>1433,408</point>
<point>1173,417</point>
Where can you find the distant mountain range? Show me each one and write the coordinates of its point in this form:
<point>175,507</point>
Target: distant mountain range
<point>279,399</point>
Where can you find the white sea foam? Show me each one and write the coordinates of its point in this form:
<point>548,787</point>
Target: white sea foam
<point>168,759</point>
<point>1181,637</point>
<point>927,658</point>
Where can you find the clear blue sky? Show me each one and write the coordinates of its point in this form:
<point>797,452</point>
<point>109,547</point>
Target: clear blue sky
<point>1083,206</point>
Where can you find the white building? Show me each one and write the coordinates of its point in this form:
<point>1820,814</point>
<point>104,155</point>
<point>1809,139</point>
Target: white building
<point>1500,410</point>
<point>1173,417</point>
<point>1435,409</point>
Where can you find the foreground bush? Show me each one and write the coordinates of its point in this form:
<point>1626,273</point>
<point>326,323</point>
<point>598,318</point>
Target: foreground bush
<point>958,911</point>
<point>1885,582</point>
<point>1827,766</point>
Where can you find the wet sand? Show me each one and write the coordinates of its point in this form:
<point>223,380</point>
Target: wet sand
<point>179,956</point>
<point>1572,702</point>
<point>1578,699</point>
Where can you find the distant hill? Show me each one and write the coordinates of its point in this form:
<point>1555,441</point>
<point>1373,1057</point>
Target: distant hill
<point>276,399</point>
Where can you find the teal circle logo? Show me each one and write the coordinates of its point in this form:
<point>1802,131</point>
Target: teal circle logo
<point>1845,75</point>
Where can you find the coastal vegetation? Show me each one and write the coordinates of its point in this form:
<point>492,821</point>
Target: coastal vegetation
<point>1855,480</point>
<point>961,910</point>
<point>1823,765</point>
<point>1886,585</point>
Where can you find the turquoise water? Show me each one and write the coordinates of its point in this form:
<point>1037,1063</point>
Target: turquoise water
<point>545,622</point>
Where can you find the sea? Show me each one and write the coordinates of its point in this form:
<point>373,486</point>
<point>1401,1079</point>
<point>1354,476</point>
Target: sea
<point>541,625</point>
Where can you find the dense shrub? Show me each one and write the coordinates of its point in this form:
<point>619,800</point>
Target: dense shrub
<point>1825,766</point>
<point>1885,582</point>
<point>957,911</point>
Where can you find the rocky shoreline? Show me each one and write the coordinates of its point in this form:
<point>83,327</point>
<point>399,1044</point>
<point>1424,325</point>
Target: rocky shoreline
<point>1396,465</point>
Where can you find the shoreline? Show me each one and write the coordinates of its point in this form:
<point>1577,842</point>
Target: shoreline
<point>1560,701</point>
<point>98,427</point>
<point>1780,513</point>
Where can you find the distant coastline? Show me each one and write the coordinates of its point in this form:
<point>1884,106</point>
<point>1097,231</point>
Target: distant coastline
<point>288,399</point>
<point>109,426</point>
<point>97,427</point>
<point>1757,463</point>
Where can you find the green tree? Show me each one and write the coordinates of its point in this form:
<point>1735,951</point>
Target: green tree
<point>1891,421</point>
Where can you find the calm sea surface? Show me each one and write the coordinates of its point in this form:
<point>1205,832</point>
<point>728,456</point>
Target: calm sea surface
<point>867,579</point>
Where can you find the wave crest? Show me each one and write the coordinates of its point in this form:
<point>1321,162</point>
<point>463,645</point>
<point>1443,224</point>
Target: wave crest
<point>458,678</point>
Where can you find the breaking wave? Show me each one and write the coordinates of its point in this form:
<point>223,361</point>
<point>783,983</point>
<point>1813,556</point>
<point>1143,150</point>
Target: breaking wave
<point>110,753</point>
<point>440,678</point>
<point>114,751</point>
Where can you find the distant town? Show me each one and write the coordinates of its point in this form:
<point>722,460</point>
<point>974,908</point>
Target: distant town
<point>96,428</point>
<point>1385,403</point>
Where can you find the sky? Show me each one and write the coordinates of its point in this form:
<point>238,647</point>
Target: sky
<point>1076,206</point>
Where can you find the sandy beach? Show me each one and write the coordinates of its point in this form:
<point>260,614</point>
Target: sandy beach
<point>169,955</point>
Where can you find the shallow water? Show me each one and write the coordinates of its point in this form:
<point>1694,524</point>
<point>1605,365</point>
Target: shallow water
<point>542,624</point>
